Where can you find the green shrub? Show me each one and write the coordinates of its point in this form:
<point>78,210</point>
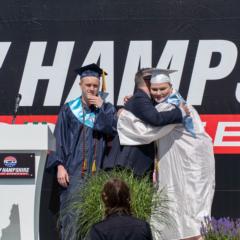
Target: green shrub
<point>143,200</point>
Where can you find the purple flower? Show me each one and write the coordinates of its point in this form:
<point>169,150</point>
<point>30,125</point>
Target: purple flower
<point>223,228</point>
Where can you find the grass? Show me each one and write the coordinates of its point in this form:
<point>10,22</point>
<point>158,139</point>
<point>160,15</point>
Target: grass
<point>144,201</point>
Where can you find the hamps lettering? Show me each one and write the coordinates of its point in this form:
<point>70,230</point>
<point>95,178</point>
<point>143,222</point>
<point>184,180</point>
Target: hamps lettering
<point>140,53</point>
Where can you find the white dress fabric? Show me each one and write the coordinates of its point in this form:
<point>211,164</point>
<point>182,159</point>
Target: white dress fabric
<point>186,170</point>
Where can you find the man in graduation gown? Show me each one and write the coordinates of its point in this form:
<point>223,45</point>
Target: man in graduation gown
<point>81,132</point>
<point>140,158</point>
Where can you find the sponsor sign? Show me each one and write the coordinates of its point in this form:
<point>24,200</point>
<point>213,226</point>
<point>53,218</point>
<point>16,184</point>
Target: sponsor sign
<point>17,165</point>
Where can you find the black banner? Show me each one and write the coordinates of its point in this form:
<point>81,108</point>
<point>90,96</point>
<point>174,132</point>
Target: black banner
<point>39,49</point>
<point>41,42</point>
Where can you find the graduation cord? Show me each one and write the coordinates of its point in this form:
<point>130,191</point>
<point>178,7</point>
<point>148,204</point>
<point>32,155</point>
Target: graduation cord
<point>84,163</point>
<point>94,167</point>
<point>156,167</point>
<point>84,158</point>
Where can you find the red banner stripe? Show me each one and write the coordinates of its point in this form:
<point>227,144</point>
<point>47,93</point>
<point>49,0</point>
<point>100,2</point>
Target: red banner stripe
<point>231,138</point>
<point>226,150</point>
<point>223,129</point>
<point>237,129</point>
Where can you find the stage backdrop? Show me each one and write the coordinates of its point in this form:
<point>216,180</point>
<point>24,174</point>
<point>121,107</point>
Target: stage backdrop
<point>42,42</point>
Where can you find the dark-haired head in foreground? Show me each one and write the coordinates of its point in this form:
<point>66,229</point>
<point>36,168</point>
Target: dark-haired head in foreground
<point>119,224</point>
<point>116,197</point>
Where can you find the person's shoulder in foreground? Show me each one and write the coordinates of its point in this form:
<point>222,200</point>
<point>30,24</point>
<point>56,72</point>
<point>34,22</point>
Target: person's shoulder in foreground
<point>121,227</point>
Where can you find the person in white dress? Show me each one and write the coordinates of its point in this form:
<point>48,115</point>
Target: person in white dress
<point>186,166</point>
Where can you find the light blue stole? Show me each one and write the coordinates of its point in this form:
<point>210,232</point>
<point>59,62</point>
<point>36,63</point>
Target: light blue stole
<point>175,98</point>
<point>85,117</point>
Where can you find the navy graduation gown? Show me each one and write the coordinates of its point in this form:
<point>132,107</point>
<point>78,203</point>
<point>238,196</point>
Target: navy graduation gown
<point>71,147</point>
<point>140,158</point>
<point>81,136</point>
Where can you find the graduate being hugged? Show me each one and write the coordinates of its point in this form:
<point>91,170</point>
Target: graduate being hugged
<point>185,166</point>
<point>83,127</point>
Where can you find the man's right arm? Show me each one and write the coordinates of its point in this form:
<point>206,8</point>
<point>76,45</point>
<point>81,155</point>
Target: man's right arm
<point>143,108</point>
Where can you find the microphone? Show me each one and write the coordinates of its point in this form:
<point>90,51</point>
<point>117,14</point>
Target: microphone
<point>17,101</point>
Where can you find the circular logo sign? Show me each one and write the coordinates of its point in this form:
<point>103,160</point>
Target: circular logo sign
<point>10,161</point>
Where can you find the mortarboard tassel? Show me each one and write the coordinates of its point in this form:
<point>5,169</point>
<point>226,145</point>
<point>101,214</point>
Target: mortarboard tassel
<point>84,167</point>
<point>94,168</point>
<point>104,85</point>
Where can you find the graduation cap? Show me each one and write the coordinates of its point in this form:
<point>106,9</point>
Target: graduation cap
<point>93,70</point>
<point>161,75</point>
